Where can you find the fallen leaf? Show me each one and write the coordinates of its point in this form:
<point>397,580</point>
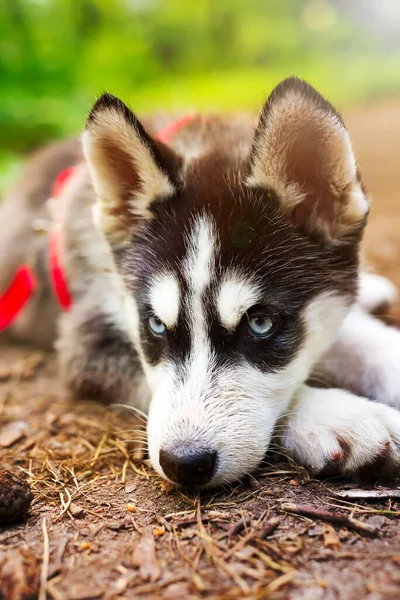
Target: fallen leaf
<point>13,432</point>
<point>316,530</point>
<point>115,525</point>
<point>331,539</point>
<point>378,521</point>
<point>76,511</point>
<point>144,557</point>
<point>129,488</point>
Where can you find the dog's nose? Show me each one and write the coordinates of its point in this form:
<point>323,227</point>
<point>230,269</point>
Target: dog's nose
<point>188,468</point>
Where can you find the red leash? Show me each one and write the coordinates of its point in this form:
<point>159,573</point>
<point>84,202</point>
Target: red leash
<point>24,283</point>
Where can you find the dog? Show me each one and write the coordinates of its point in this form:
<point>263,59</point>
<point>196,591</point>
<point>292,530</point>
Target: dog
<point>215,283</point>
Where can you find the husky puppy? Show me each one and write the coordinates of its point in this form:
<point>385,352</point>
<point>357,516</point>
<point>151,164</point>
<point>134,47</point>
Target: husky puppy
<point>209,277</point>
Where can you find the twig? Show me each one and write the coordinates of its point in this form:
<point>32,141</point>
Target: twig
<point>238,527</point>
<point>247,538</point>
<point>332,517</point>
<point>269,528</point>
<point>45,562</point>
<point>187,522</point>
<point>279,582</point>
<point>357,494</point>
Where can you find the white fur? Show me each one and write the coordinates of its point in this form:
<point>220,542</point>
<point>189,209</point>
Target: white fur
<point>375,291</point>
<point>333,426</point>
<point>164,297</point>
<point>198,268</point>
<point>236,296</point>
<point>365,358</point>
<point>199,271</point>
<point>233,409</point>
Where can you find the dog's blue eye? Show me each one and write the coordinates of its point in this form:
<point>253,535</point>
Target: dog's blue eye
<point>260,325</point>
<point>157,326</point>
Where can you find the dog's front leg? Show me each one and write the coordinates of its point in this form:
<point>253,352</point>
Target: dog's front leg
<point>364,359</point>
<point>331,428</point>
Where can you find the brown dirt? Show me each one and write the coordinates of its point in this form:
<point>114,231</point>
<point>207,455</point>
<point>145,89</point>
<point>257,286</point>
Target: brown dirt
<point>108,527</point>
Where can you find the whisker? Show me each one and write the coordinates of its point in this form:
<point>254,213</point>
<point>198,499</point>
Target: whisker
<point>137,411</point>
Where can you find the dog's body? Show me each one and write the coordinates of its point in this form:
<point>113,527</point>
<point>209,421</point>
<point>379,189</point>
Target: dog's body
<point>219,272</point>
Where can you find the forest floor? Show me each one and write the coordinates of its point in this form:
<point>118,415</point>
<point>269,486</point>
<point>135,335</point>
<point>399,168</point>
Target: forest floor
<point>103,525</point>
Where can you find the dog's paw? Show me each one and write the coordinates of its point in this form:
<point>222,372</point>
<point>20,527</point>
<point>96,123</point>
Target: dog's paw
<point>375,293</point>
<point>334,431</point>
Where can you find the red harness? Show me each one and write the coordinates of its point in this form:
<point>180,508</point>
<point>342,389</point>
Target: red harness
<point>24,282</point>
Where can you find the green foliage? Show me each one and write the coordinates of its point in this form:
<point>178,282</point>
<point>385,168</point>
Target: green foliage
<point>56,56</point>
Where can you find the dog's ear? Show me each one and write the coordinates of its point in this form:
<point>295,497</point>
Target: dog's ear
<point>129,169</point>
<point>302,152</point>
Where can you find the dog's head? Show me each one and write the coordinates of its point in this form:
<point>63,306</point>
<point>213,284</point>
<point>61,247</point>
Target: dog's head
<point>238,266</point>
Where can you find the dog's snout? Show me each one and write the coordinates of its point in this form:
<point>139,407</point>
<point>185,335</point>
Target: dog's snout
<point>189,467</point>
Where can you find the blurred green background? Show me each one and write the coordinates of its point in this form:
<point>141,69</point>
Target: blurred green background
<point>56,56</point>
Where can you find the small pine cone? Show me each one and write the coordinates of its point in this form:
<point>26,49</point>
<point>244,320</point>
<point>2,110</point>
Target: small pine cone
<point>15,497</point>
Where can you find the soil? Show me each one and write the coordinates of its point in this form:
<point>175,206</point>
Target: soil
<point>103,525</point>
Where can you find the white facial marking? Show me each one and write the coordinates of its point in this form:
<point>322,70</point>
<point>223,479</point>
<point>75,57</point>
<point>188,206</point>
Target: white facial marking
<point>199,261</point>
<point>198,271</point>
<point>164,297</point>
<point>236,296</point>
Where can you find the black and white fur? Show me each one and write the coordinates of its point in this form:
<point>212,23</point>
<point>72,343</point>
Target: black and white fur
<point>229,223</point>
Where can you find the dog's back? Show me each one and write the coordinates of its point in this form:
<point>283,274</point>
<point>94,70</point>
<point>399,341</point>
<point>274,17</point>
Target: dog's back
<point>24,219</point>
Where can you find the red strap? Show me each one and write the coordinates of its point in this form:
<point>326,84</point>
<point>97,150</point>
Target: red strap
<point>169,131</point>
<point>16,296</point>
<point>24,283</point>
<point>56,271</point>
<point>61,180</point>
<point>58,280</point>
